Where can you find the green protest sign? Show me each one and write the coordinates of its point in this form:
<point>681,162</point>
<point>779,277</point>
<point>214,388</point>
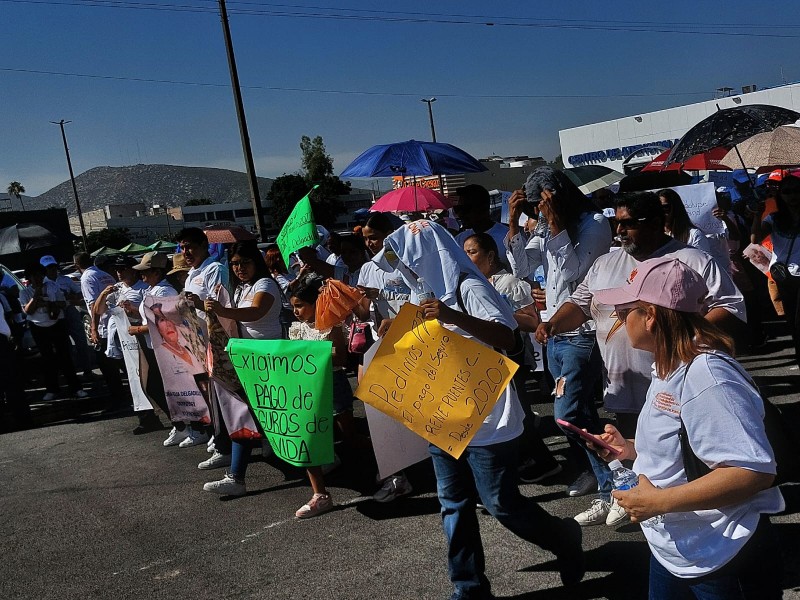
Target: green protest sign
<point>289,385</point>
<point>299,230</point>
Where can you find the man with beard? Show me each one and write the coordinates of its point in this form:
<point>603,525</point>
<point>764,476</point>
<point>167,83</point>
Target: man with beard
<point>640,229</point>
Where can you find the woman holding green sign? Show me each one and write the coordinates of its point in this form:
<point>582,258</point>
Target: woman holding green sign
<point>466,303</point>
<point>256,309</point>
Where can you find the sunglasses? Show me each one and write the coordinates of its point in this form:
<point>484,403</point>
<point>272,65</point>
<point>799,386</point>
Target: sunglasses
<point>630,223</point>
<point>240,263</point>
<point>622,313</point>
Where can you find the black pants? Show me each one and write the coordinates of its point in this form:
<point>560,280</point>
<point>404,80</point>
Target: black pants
<point>110,368</point>
<point>11,384</point>
<point>54,348</point>
<point>790,294</point>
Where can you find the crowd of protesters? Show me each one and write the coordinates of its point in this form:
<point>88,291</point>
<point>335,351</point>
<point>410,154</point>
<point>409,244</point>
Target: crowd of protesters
<point>636,308</point>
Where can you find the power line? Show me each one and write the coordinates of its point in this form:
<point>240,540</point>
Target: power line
<point>350,92</point>
<point>433,18</point>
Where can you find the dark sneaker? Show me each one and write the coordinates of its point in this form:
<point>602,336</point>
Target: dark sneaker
<point>535,472</point>
<point>586,483</point>
<point>570,560</point>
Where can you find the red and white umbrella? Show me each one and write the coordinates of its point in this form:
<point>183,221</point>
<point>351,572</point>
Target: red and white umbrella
<point>706,161</point>
<point>411,199</point>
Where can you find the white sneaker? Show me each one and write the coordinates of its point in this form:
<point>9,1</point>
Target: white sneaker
<point>616,514</point>
<point>81,394</point>
<point>394,487</point>
<point>216,461</point>
<point>596,514</point>
<point>210,447</point>
<point>175,437</point>
<point>227,486</point>
<point>49,396</point>
<point>195,438</point>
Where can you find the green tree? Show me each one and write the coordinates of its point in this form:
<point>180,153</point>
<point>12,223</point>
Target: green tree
<point>199,202</point>
<point>112,238</point>
<point>318,169</point>
<point>286,190</point>
<point>16,189</point>
<point>557,163</point>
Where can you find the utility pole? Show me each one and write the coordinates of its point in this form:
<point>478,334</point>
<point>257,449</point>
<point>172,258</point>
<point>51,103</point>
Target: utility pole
<point>258,212</point>
<point>61,124</point>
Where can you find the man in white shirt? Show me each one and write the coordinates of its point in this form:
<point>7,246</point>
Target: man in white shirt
<point>473,210</point>
<point>640,227</point>
<point>74,320</point>
<point>94,279</point>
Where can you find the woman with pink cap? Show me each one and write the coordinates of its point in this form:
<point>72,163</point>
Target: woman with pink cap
<point>711,536</point>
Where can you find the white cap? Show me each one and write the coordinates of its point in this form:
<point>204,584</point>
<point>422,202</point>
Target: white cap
<point>614,464</point>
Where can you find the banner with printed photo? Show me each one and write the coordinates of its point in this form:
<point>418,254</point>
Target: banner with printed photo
<point>289,384</point>
<point>130,353</point>
<point>436,382</point>
<point>179,343</point>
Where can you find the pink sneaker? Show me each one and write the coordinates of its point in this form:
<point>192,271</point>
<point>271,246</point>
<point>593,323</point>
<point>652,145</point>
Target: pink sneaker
<point>319,503</point>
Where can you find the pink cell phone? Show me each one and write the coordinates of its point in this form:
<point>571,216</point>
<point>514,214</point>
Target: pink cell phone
<point>588,436</point>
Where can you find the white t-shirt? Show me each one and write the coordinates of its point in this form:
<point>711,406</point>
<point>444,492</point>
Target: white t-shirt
<point>628,369</point>
<point>94,281</point>
<point>393,292</point>
<point>724,419</point>
<point>504,423</point>
<point>781,244</point>
<point>267,327</point>
<point>41,316</point>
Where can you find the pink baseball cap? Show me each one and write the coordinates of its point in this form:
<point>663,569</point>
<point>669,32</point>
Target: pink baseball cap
<point>664,281</point>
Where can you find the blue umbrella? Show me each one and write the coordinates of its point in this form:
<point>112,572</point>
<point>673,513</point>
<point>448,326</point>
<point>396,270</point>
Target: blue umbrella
<point>412,158</point>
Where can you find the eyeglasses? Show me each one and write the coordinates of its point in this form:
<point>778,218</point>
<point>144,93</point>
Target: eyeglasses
<point>623,313</point>
<point>240,263</point>
<point>630,223</point>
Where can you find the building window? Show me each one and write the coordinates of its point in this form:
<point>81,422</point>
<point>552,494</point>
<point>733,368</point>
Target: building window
<point>224,215</point>
<point>243,213</point>
<point>194,217</point>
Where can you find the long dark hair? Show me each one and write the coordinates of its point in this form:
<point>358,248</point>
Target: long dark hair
<point>249,250</point>
<point>308,288</point>
<point>380,222</point>
<point>681,223</point>
<point>486,243</point>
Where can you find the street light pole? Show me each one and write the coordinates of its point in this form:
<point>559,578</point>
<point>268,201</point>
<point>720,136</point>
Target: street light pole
<point>61,124</point>
<point>430,101</point>
<point>258,212</point>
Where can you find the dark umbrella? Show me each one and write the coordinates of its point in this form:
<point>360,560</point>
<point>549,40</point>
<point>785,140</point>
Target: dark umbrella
<point>653,180</point>
<point>412,158</point>
<point>727,127</point>
<point>26,236</point>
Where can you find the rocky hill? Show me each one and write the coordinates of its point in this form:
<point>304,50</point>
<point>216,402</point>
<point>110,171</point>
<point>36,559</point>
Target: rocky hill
<point>151,184</point>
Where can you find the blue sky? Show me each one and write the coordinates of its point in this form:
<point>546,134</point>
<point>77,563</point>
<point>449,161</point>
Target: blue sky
<point>497,86</point>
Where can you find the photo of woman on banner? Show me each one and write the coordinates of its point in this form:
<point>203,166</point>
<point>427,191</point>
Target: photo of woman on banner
<point>465,302</point>
<point>177,361</point>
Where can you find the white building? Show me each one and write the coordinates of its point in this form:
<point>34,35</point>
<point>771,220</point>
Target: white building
<point>609,143</point>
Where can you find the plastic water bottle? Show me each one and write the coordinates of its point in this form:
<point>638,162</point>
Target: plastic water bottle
<point>625,479</point>
<point>424,291</point>
<point>539,278</point>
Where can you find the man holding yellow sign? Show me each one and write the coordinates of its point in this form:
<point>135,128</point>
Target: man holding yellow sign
<point>470,414</point>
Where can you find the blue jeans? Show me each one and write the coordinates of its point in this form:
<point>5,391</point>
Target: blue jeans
<point>576,359</point>
<point>240,457</point>
<point>488,473</point>
<point>754,573</point>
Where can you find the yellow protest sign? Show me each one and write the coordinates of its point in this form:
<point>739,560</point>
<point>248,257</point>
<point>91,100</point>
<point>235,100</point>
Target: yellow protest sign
<point>437,383</point>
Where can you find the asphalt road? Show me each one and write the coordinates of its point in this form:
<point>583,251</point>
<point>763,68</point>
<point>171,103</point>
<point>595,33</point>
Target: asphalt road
<point>91,511</point>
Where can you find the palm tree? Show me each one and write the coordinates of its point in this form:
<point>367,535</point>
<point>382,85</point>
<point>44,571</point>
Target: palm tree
<point>16,189</point>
